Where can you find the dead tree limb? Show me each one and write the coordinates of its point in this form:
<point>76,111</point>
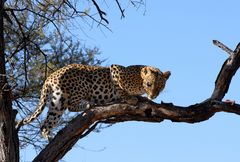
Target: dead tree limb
<point>145,110</point>
<point>229,68</point>
<point>223,47</point>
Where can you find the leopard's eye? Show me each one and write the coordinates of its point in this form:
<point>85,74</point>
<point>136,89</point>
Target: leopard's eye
<point>149,84</point>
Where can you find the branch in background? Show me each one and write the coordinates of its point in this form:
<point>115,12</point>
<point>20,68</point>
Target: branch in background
<point>6,16</point>
<point>100,12</point>
<point>81,13</point>
<point>121,10</point>
<point>138,3</point>
<point>24,40</point>
<point>45,58</point>
<point>53,21</point>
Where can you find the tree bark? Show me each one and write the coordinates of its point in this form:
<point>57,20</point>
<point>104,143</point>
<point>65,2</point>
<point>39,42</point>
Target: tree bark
<point>9,145</point>
<point>145,110</point>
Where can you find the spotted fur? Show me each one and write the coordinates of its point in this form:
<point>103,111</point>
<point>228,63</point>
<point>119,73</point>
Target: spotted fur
<point>76,87</point>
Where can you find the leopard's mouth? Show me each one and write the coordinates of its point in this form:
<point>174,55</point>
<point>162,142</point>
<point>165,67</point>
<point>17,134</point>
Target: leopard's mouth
<point>151,97</point>
<point>154,95</point>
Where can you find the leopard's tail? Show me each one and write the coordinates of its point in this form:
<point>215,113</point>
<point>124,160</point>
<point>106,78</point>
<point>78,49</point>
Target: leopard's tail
<point>41,104</point>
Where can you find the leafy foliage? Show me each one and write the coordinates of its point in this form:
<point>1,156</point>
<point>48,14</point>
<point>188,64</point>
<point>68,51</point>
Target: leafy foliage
<point>35,46</point>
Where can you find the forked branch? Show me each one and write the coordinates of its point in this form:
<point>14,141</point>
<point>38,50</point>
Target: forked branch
<point>100,12</point>
<point>229,68</point>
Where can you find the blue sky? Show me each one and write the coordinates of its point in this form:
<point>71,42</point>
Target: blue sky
<point>175,36</point>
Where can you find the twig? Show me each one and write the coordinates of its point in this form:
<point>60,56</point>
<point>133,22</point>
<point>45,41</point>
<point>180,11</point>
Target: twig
<point>121,10</point>
<point>45,17</point>
<point>45,58</point>
<point>86,14</point>
<point>100,12</point>
<point>25,38</point>
<point>223,47</point>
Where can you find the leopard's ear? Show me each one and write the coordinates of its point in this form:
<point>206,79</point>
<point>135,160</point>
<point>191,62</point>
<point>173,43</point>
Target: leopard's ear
<point>144,72</point>
<point>166,74</point>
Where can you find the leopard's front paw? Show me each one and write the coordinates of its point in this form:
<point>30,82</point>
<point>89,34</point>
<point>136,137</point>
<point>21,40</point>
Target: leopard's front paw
<point>46,134</point>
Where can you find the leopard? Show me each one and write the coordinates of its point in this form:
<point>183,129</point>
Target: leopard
<point>77,87</point>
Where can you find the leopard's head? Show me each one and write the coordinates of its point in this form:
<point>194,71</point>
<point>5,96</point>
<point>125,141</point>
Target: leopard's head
<point>154,81</point>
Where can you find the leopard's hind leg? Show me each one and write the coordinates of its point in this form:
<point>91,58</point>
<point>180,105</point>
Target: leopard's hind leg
<point>56,109</point>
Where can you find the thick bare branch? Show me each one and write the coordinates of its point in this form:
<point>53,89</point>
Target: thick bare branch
<point>229,68</point>
<point>145,110</point>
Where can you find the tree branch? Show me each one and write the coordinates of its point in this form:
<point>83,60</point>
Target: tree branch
<point>145,110</point>
<point>121,10</point>
<point>228,70</point>
<point>80,13</point>
<point>100,12</point>
<point>223,47</point>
